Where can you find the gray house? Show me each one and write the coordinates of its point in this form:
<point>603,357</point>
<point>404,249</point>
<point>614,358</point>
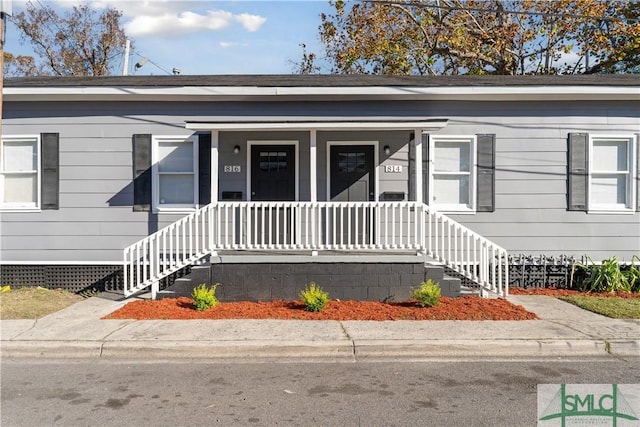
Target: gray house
<point>365,184</point>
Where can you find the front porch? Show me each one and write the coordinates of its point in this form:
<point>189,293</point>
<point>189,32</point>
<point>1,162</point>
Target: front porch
<point>314,229</point>
<point>352,186</point>
<point>233,150</point>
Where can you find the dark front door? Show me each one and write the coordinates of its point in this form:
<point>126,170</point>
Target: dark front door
<point>352,173</point>
<point>273,173</point>
<point>352,180</point>
<point>273,178</point>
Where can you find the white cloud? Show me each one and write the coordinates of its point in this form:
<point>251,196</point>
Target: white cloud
<point>133,8</point>
<point>185,22</point>
<point>225,45</point>
<point>149,17</point>
<point>250,22</point>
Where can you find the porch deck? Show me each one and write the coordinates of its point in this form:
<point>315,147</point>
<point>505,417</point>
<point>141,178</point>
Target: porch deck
<point>370,256</point>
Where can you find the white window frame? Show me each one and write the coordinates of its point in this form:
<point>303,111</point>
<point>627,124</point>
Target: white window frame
<point>454,208</point>
<point>173,208</point>
<point>630,204</point>
<point>30,207</point>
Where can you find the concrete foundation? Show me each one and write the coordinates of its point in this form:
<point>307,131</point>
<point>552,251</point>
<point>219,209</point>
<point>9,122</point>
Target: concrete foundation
<point>256,279</point>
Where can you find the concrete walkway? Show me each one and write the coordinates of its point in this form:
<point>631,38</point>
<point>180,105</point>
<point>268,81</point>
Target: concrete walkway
<point>562,331</point>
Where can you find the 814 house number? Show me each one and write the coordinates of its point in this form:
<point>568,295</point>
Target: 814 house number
<point>393,168</point>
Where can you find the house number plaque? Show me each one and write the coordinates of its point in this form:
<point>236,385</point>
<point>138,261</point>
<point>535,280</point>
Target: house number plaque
<point>232,169</point>
<point>393,168</point>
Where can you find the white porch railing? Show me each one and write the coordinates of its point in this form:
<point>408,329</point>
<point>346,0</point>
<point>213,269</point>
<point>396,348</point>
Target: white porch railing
<point>315,226</point>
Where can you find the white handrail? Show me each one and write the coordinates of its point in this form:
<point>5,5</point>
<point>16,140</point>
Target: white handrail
<point>167,251</point>
<point>315,226</point>
<point>467,253</point>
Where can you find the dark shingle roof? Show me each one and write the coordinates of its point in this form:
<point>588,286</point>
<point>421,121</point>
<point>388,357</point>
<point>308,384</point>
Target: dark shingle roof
<point>295,80</point>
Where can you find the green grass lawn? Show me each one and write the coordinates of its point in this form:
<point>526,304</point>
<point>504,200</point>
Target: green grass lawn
<point>617,308</point>
<point>33,303</point>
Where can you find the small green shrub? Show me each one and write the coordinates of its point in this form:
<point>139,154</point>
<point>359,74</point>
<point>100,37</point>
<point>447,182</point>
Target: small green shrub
<point>633,275</point>
<point>204,297</point>
<point>314,298</point>
<point>428,294</point>
<point>607,276</point>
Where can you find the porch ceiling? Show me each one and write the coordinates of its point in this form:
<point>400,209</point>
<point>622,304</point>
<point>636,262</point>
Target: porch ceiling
<point>322,123</point>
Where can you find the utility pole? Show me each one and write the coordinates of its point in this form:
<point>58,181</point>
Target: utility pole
<point>1,65</point>
<point>125,65</point>
<point>5,9</point>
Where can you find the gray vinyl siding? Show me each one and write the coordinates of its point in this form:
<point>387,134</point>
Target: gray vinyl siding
<point>531,181</point>
<point>95,220</point>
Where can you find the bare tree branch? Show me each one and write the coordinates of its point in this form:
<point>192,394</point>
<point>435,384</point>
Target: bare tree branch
<point>80,42</point>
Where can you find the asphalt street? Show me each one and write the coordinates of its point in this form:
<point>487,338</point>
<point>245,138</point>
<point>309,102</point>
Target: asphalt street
<point>90,392</point>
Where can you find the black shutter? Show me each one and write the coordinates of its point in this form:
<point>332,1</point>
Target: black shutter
<point>412,167</point>
<point>50,162</point>
<point>425,169</point>
<point>578,172</point>
<point>204,169</point>
<point>637,142</point>
<point>486,178</point>
<point>141,172</point>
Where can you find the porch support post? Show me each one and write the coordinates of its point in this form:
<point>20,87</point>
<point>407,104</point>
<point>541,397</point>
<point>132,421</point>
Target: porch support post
<point>214,165</point>
<point>313,164</point>
<point>418,167</point>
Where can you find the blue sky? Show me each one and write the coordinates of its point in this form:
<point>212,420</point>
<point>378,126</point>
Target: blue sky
<point>208,37</point>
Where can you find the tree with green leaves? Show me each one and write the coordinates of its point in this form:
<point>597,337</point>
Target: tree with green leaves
<point>507,37</point>
<point>80,42</point>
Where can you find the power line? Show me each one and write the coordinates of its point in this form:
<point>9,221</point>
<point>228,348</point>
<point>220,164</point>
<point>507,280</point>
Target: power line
<point>153,63</point>
<point>75,48</point>
<point>48,12</point>
<point>54,20</point>
<point>511,12</point>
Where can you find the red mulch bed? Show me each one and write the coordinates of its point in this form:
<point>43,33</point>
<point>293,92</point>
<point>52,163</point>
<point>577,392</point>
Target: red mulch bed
<point>555,292</point>
<point>463,308</point>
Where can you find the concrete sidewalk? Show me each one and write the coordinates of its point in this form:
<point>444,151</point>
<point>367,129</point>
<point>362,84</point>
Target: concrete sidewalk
<point>562,331</point>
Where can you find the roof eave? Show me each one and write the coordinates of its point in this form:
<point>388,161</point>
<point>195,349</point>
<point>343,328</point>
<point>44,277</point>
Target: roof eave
<point>240,93</point>
<point>328,123</point>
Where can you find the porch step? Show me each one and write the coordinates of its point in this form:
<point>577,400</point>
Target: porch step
<point>265,281</point>
<point>184,285</point>
<point>449,286</point>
